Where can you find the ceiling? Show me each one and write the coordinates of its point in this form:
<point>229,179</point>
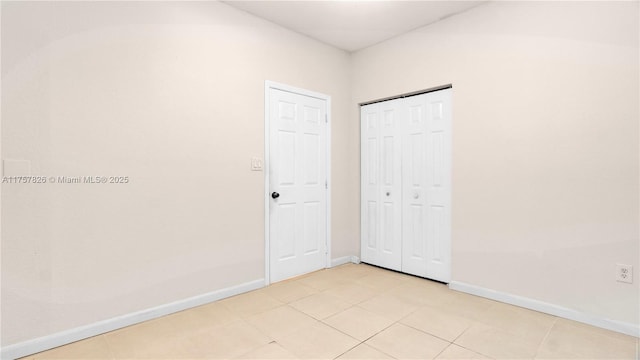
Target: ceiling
<point>353,24</point>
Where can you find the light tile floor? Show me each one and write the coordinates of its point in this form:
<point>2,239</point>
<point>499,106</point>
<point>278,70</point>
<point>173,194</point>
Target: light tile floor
<point>354,312</point>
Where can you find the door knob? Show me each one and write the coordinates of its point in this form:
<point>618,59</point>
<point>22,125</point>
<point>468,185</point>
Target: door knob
<point>275,195</point>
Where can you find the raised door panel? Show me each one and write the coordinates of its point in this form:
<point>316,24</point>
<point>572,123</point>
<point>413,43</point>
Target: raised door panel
<point>370,168</point>
<point>392,118</point>
<point>381,210</point>
<point>414,175</point>
<point>439,185</point>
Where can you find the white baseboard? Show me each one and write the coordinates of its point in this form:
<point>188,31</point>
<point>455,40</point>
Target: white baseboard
<point>345,260</point>
<point>68,336</point>
<point>552,309</point>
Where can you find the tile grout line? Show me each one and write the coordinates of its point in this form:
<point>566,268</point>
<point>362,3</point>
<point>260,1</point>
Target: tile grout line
<point>555,321</point>
<point>436,336</point>
<point>463,332</point>
<point>390,325</point>
<point>424,332</point>
<point>361,341</point>
<point>111,353</point>
<point>473,351</point>
<point>355,346</point>
<point>443,350</point>
<point>453,342</point>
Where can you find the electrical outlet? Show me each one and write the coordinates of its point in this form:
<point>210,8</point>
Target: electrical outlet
<point>624,273</point>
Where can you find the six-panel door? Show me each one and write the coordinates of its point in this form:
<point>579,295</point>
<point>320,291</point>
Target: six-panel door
<point>381,216</point>
<point>297,211</point>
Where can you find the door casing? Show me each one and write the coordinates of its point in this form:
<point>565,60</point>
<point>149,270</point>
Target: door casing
<point>267,167</point>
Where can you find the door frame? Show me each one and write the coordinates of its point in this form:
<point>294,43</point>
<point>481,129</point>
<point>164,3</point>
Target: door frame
<point>268,85</point>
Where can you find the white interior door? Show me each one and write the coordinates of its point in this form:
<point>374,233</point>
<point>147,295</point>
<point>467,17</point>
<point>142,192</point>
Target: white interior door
<point>298,184</point>
<point>381,219</point>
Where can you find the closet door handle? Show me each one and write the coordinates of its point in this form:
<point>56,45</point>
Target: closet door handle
<point>275,195</point>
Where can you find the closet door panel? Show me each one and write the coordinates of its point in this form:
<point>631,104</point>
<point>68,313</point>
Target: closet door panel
<point>390,191</point>
<point>439,185</point>
<point>414,175</point>
<point>370,169</point>
<point>381,181</point>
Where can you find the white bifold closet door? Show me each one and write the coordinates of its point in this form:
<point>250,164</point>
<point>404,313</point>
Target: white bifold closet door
<point>382,184</point>
<point>406,184</point>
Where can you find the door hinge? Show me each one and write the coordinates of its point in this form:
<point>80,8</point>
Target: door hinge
<point>326,184</point>
<point>326,118</point>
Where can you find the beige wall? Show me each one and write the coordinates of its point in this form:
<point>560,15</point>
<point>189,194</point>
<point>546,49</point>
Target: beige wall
<point>545,144</point>
<point>171,95</point>
<point>545,162</point>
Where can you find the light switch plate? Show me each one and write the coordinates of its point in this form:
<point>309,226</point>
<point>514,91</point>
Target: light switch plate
<point>16,167</point>
<point>256,164</point>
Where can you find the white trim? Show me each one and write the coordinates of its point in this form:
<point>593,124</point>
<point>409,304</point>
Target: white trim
<point>345,260</point>
<point>267,111</point>
<point>2,174</point>
<point>68,336</point>
<point>292,89</point>
<point>267,175</point>
<point>329,184</point>
<point>548,308</point>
